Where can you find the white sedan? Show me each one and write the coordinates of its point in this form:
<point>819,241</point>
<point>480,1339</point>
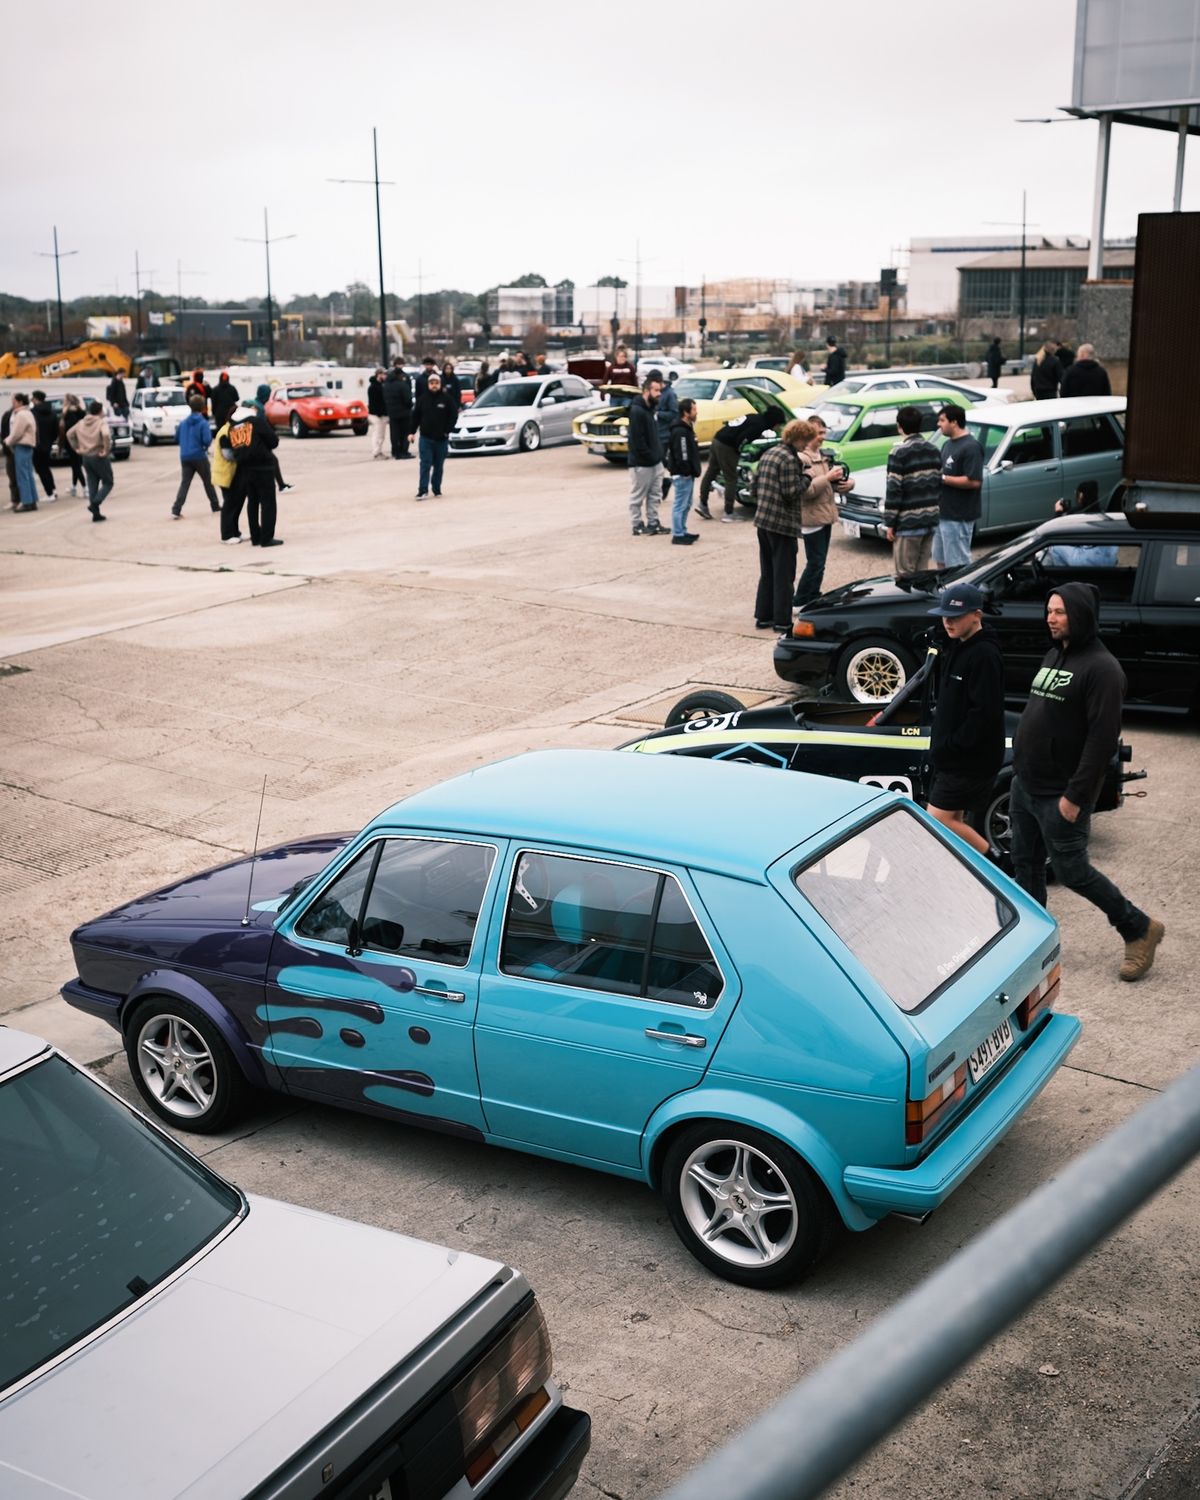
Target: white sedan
<point>155,414</point>
<point>915,380</point>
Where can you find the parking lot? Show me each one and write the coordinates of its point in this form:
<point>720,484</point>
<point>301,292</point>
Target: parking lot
<point>153,678</point>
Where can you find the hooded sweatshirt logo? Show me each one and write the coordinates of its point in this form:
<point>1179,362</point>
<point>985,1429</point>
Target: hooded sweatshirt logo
<point>1050,682</point>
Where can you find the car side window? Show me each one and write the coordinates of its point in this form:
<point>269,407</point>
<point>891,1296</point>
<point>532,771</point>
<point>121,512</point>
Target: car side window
<point>328,918</point>
<point>878,422</point>
<point>1031,445</point>
<point>891,385</point>
<point>552,393</point>
<point>1083,436</point>
<point>614,928</point>
<point>576,389</point>
<point>425,897</point>
<point>1177,574</point>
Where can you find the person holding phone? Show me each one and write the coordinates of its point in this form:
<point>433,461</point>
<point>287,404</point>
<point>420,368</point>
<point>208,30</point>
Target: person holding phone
<point>827,477</point>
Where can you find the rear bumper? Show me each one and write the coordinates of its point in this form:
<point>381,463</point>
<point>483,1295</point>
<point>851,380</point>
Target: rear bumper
<point>93,1002</point>
<point>804,661</point>
<point>921,1188</point>
<point>548,1469</point>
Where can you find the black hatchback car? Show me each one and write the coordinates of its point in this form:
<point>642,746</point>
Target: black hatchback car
<point>863,641</point>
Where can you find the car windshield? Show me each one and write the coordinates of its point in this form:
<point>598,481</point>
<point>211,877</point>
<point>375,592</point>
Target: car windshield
<point>98,1208</point>
<point>697,388</point>
<point>165,398</point>
<point>911,911</point>
<point>847,387</point>
<point>510,393</point>
<point>837,416</point>
<point>296,392</point>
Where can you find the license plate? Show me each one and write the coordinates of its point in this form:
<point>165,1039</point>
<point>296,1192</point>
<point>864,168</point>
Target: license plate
<point>597,448</point>
<point>852,528</point>
<point>989,1053</point>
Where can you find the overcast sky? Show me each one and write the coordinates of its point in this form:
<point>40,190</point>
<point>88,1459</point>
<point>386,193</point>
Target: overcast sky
<point>771,139</point>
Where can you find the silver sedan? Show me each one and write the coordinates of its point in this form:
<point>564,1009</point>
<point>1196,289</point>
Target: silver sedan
<point>523,414</point>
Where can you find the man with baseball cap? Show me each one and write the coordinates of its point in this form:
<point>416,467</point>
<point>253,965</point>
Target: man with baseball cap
<point>966,743</point>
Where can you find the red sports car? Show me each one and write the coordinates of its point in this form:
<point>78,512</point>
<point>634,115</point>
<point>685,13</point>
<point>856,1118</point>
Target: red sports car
<point>307,408</point>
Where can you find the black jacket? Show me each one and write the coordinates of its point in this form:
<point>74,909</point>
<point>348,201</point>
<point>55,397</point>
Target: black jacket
<point>994,360</point>
<point>397,394</point>
<point>224,401</point>
<point>115,393</point>
<point>645,441</point>
<point>263,442</point>
<point>1045,379</point>
<point>683,452</point>
<point>967,735</point>
<point>375,404</point>
<point>434,414</point>
<point>746,429</point>
<point>1085,377</point>
<point>1072,722</point>
<point>835,366</point>
<point>452,388</point>
<point>47,425</point>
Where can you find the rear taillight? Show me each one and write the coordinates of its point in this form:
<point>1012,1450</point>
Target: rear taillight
<point>505,1392</point>
<point>1040,998</point>
<point>923,1116</point>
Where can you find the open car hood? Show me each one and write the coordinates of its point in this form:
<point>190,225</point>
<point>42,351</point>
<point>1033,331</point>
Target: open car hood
<point>765,401</point>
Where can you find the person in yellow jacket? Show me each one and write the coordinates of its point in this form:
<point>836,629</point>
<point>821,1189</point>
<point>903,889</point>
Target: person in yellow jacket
<point>225,477</point>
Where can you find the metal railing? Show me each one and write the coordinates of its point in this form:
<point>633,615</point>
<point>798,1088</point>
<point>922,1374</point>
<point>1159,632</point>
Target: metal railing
<point>832,1419</point>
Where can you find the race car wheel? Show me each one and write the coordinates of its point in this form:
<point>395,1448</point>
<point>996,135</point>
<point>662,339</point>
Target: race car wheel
<point>298,428</point>
<point>995,820</point>
<point>147,439</point>
<point>745,1204</point>
<point>531,437</point>
<point>700,706</point>
<point>873,670</point>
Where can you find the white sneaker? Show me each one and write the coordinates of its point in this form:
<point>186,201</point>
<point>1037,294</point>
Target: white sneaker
<point>49,499</point>
<point>728,520</point>
<point>74,493</point>
<point>231,541</point>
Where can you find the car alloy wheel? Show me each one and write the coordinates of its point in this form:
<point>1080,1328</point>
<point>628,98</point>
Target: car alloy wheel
<point>874,671</point>
<point>182,1065</point>
<point>531,437</point>
<point>147,440</point>
<point>297,426</point>
<point>702,705</point>
<point>997,819</point>
<point>745,1205</point>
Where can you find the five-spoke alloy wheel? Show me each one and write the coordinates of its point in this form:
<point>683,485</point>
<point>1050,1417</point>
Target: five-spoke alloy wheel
<point>182,1066</point>
<point>745,1205</point>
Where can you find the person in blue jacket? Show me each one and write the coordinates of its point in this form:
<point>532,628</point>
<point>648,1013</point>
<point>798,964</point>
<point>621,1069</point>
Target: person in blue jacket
<point>195,437</point>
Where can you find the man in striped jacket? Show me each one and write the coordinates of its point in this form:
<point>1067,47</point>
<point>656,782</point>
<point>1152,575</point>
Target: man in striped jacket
<point>914,484</point>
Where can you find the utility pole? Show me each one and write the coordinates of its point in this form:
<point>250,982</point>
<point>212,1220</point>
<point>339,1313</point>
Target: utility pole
<point>703,310</point>
<point>267,242</point>
<point>368,182</point>
<point>1021,309</point>
<point>420,303</point>
<point>138,273</point>
<point>637,316</point>
<point>180,273</point>
<point>58,256</point>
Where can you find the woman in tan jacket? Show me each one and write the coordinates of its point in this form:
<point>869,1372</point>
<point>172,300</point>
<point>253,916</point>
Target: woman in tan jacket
<point>827,478</point>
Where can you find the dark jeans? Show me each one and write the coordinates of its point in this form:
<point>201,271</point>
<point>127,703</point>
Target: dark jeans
<point>41,467</point>
<point>10,470</point>
<point>260,505</point>
<point>195,468</point>
<point>433,459</point>
<point>816,550</point>
<point>722,460</point>
<point>231,506</point>
<point>1040,832</point>
<point>398,431</point>
<point>99,480</point>
<point>776,578</point>
<point>76,463</point>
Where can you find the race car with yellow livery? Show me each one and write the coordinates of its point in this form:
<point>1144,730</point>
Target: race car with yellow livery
<point>886,747</point>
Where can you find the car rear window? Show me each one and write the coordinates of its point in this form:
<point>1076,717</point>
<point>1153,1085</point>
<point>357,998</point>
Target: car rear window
<point>910,910</point>
<point>98,1208</point>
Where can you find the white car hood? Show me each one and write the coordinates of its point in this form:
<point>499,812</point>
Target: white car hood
<point>210,1385</point>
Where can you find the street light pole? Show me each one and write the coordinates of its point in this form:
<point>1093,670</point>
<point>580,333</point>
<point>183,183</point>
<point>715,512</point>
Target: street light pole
<point>58,256</point>
<point>138,273</point>
<point>1021,292</point>
<point>267,242</point>
<point>375,182</point>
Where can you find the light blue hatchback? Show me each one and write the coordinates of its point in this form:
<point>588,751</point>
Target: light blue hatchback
<point>784,1002</point>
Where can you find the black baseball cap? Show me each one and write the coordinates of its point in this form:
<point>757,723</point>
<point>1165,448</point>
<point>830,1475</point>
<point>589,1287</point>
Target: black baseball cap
<point>958,600</point>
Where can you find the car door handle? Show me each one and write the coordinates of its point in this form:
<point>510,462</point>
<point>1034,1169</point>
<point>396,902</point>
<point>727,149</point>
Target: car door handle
<point>452,997</point>
<point>684,1038</point>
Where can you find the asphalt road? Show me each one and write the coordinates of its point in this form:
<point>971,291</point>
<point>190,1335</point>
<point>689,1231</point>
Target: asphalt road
<point>152,678</point>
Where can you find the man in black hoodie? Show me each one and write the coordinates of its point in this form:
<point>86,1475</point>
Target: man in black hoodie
<point>1064,742</point>
<point>47,431</point>
<point>645,460</point>
<point>398,404</point>
<point>966,742</point>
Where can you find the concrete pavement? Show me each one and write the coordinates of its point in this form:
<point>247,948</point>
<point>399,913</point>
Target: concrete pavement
<point>152,678</point>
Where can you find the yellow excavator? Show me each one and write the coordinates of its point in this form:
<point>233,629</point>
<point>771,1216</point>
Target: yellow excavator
<point>92,357</point>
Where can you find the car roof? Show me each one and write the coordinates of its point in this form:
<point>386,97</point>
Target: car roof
<point>902,396</point>
<point>1020,412</point>
<point>18,1048</point>
<point>648,808</point>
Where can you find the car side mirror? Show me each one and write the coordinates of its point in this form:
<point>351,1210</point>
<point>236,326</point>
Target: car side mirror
<point>353,938</point>
<point>1004,464</point>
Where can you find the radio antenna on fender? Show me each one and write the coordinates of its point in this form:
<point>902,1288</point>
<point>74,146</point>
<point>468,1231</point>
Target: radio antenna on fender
<point>254,854</point>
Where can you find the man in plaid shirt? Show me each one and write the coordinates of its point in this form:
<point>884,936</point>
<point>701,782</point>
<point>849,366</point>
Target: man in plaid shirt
<point>914,487</point>
<point>779,482</point>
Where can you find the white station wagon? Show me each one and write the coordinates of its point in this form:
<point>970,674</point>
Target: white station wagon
<point>155,414</point>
